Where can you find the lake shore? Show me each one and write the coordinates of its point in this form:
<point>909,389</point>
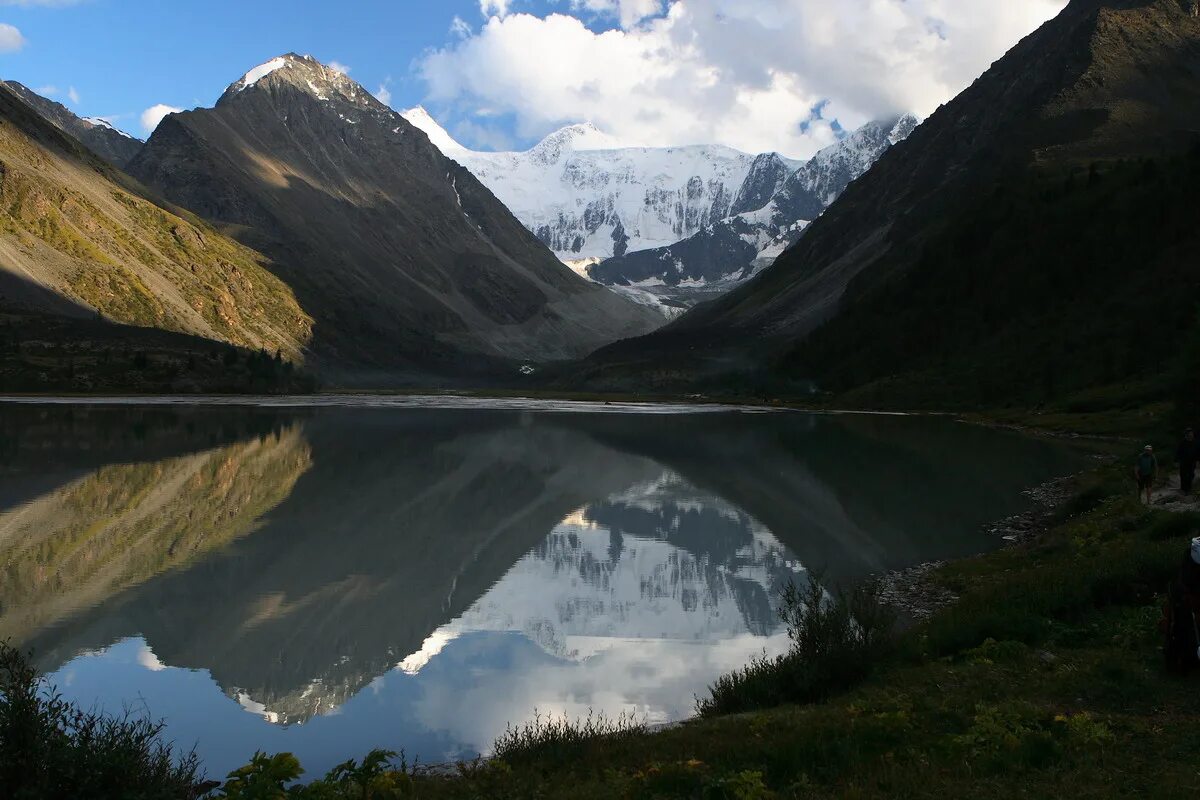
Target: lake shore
<point>1041,677</point>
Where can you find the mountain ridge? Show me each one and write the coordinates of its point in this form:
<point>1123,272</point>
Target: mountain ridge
<point>1069,95</point>
<point>586,195</point>
<point>410,266</point>
<point>772,210</point>
<point>85,239</point>
<point>100,136</point>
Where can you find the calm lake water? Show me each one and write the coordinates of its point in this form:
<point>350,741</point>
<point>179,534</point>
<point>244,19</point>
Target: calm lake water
<point>329,576</point>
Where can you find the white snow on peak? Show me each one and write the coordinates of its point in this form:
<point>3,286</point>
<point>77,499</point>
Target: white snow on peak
<point>419,118</point>
<point>97,122</point>
<point>261,71</point>
<point>576,138</point>
<point>581,191</point>
<point>575,594</point>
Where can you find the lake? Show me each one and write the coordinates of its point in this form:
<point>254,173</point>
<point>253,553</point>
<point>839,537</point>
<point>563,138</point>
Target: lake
<point>329,575</point>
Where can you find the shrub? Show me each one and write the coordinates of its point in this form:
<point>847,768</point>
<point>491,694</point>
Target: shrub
<point>551,738</point>
<point>835,642</point>
<point>51,749</point>
<point>1167,525</point>
<point>274,778</point>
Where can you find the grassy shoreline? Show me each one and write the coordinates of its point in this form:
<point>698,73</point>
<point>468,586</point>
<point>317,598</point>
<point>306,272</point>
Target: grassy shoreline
<point>1043,679</point>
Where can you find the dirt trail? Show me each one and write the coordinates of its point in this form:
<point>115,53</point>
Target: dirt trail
<point>1167,497</point>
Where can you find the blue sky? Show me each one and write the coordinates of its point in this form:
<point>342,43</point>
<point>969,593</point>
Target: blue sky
<point>759,75</point>
<point>123,56</point>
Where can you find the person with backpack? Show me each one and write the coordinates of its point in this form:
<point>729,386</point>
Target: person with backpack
<point>1186,454</point>
<point>1145,471</point>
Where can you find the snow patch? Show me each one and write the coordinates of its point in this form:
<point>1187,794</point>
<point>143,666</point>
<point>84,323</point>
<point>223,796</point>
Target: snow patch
<point>261,71</point>
<point>419,118</point>
<point>98,122</point>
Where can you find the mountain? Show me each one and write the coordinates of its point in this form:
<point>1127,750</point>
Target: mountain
<point>773,207</point>
<point>413,271</point>
<point>96,274</point>
<point>587,197</point>
<point>1020,246</point>
<point>116,147</point>
<point>666,227</point>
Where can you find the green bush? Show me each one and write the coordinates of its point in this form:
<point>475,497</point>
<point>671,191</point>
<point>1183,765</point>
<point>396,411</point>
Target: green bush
<point>835,641</point>
<point>556,739</point>
<point>274,778</point>
<point>50,749</point>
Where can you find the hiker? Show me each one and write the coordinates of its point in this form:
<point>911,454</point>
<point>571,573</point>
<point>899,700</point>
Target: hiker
<point>1181,615</point>
<point>1186,455</point>
<point>1145,472</point>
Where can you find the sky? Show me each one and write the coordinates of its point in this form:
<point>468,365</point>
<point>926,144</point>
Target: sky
<point>758,75</point>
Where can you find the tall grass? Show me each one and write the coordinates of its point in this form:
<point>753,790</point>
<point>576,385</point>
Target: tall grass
<point>835,641</point>
<point>557,739</point>
<point>51,749</point>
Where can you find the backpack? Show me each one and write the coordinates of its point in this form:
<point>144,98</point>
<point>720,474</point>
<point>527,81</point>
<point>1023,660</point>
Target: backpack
<point>1146,464</point>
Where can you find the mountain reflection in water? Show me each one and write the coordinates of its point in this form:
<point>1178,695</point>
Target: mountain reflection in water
<point>418,579</point>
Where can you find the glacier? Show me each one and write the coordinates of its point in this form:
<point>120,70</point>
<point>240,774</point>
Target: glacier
<point>586,196</point>
<point>666,227</point>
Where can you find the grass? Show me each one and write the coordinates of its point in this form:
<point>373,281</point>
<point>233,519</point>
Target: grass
<point>51,749</point>
<point>835,642</point>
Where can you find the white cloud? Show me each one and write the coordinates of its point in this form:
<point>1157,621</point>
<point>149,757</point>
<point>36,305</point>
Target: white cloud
<point>746,73</point>
<point>73,95</point>
<point>339,67</point>
<point>153,115</point>
<point>11,39</point>
<point>494,8</point>
<point>459,28</point>
<point>46,91</point>
<point>384,93</point>
<point>628,12</point>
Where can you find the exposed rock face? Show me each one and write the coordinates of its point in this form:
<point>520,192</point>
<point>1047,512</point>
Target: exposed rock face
<point>411,268</point>
<point>116,147</point>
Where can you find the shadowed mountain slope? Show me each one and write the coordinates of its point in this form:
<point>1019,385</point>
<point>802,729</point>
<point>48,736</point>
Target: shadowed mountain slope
<point>409,265</point>
<point>114,146</point>
<point>1013,248</point>
<point>79,238</point>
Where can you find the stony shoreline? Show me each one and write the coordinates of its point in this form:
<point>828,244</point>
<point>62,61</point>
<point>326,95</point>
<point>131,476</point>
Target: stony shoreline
<point>917,596</point>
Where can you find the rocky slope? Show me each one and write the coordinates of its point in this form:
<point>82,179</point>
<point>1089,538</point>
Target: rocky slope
<point>116,147</point>
<point>411,268</point>
<point>774,205</point>
<point>80,239</point>
<point>1008,248</point>
<point>585,196</point>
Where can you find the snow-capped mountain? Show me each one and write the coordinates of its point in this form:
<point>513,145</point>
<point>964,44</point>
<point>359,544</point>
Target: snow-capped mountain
<point>661,560</point>
<point>666,227</point>
<point>732,250</point>
<point>587,197</point>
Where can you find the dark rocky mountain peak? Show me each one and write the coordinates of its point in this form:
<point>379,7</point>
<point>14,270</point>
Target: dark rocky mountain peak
<point>114,146</point>
<point>411,268</point>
